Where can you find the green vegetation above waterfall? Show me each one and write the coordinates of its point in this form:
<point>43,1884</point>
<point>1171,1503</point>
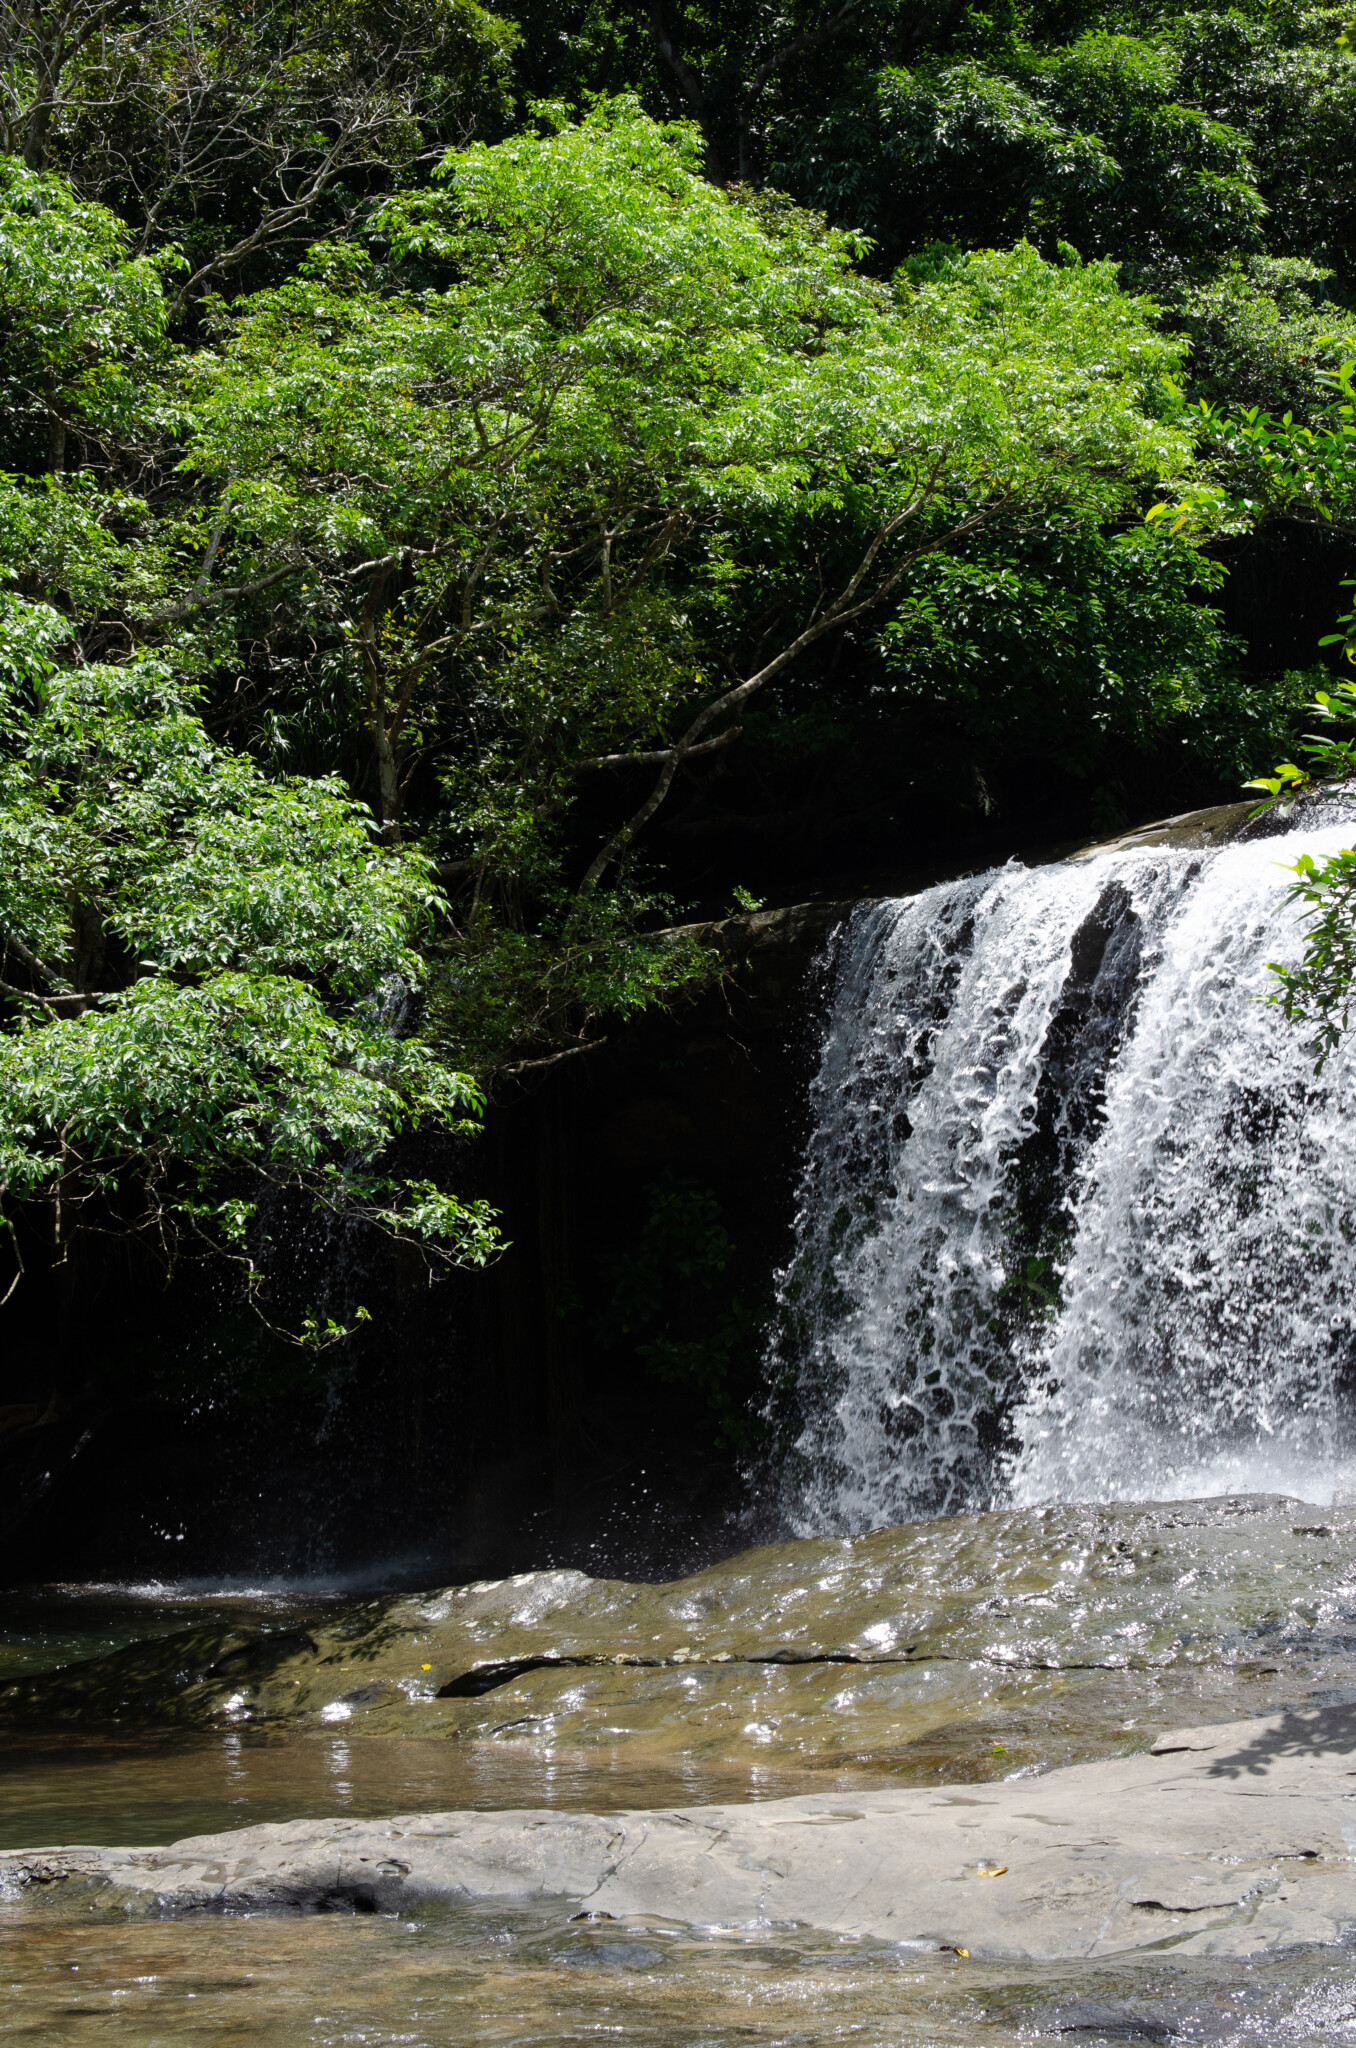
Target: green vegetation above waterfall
<point>546,506</point>
<point>483,489</point>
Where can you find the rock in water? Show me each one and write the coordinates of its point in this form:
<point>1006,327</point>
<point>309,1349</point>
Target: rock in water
<point>1113,2022</point>
<point>1189,1854</point>
<point>971,1646</point>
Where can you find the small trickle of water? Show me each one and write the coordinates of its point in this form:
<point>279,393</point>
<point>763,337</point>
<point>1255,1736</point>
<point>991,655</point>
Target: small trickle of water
<point>1077,1220</point>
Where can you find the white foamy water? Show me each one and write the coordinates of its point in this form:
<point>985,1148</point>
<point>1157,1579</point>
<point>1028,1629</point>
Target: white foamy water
<point>1077,1221</point>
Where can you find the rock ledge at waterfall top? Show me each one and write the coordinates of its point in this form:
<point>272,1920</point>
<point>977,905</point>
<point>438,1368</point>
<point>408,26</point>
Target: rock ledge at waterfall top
<point>1236,1849</point>
<point>1191,831</point>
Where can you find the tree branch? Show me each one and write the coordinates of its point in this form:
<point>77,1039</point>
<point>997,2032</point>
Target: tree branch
<point>850,604</point>
<point>200,600</point>
<point>9,944</point>
<point>554,1058</point>
<point>658,756</point>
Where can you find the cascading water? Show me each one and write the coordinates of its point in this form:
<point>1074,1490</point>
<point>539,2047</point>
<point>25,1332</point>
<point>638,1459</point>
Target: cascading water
<point>1077,1221</point>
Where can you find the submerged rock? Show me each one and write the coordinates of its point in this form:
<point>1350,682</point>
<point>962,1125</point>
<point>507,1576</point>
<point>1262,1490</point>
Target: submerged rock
<point>1115,2022</point>
<point>1187,1854</point>
<point>963,1647</point>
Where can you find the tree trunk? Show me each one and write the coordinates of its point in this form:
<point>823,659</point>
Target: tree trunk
<point>56,432</point>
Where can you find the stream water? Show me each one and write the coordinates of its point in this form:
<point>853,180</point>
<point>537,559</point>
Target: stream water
<point>1076,1226</point>
<point>133,1781</point>
<point>535,1977</point>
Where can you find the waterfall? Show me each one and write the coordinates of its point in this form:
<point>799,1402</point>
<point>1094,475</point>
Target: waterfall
<point>1077,1220</point>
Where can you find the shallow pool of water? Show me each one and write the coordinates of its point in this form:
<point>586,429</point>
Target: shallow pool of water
<point>137,1789</point>
<point>539,1976</point>
<point>990,1647</point>
<point>45,1626</point>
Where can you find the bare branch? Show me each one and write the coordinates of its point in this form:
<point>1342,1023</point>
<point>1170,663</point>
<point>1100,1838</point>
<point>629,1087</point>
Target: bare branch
<point>553,1059</point>
<point>852,602</point>
<point>658,756</point>
<point>10,944</point>
<point>200,599</point>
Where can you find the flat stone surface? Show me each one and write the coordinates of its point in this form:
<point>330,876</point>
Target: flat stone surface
<point>1242,1849</point>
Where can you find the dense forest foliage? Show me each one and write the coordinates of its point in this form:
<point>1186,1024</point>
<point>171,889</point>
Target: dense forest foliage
<point>484,491</point>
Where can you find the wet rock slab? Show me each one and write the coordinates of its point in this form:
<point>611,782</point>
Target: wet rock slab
<point>956,1648</point>
<point>1239,1849</point>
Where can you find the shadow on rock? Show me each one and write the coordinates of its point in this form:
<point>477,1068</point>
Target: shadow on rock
<point>1316,1733</point>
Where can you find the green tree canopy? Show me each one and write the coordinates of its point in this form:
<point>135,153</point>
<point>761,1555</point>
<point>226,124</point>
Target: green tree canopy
<point>486,529</point>
<point>237,135</point>
<point>205,973</point>
<point>636,387</point>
